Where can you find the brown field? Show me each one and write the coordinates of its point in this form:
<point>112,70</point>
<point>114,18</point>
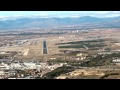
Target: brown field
<point>34,50</point>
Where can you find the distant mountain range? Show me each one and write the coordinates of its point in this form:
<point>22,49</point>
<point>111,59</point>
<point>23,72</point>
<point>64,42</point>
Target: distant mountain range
<point>56,23</point>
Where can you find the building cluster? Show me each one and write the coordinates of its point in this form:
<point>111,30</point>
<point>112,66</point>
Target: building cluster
<point>116,61</point>
<point>24,70</point>
<point>14,43</point>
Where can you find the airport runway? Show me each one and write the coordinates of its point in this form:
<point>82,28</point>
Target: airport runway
<point>44,48</point>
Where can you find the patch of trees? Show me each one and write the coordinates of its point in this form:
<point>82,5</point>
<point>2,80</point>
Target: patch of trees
<point>79,44</point>
<point>95,45</point>
<point>100,60</point>
<point>83,42</point>
<point>71,46</point>
<point>107,49</point>
<point>4,56</point>
<point>109,74</point>
<point>57,72</point>
<point>65,61</point>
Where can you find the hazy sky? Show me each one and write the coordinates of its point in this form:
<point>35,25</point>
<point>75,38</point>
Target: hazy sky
<point>4,14</point>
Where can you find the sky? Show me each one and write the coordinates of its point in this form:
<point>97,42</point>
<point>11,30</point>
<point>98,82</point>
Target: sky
<point>61,14</point>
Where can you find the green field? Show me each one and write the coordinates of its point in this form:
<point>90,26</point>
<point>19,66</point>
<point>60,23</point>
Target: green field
<point>71,46</point>
<point>79,44</point>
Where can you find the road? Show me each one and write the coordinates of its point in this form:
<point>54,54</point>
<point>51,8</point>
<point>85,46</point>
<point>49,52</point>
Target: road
<point>102,69</point>
<point>85,47</point>
<point>44,47</point>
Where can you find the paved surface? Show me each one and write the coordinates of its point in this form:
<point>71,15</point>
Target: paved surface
<point>44,47</point>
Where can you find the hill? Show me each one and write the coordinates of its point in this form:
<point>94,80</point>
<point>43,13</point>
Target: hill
<point>56,23</point>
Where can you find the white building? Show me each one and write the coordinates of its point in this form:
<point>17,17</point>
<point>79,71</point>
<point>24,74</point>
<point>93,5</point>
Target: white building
<point>30,65</point>
<point>116,61</point>
<point>4,66</point>
<point>2,73</point>
<point>16,66</point>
